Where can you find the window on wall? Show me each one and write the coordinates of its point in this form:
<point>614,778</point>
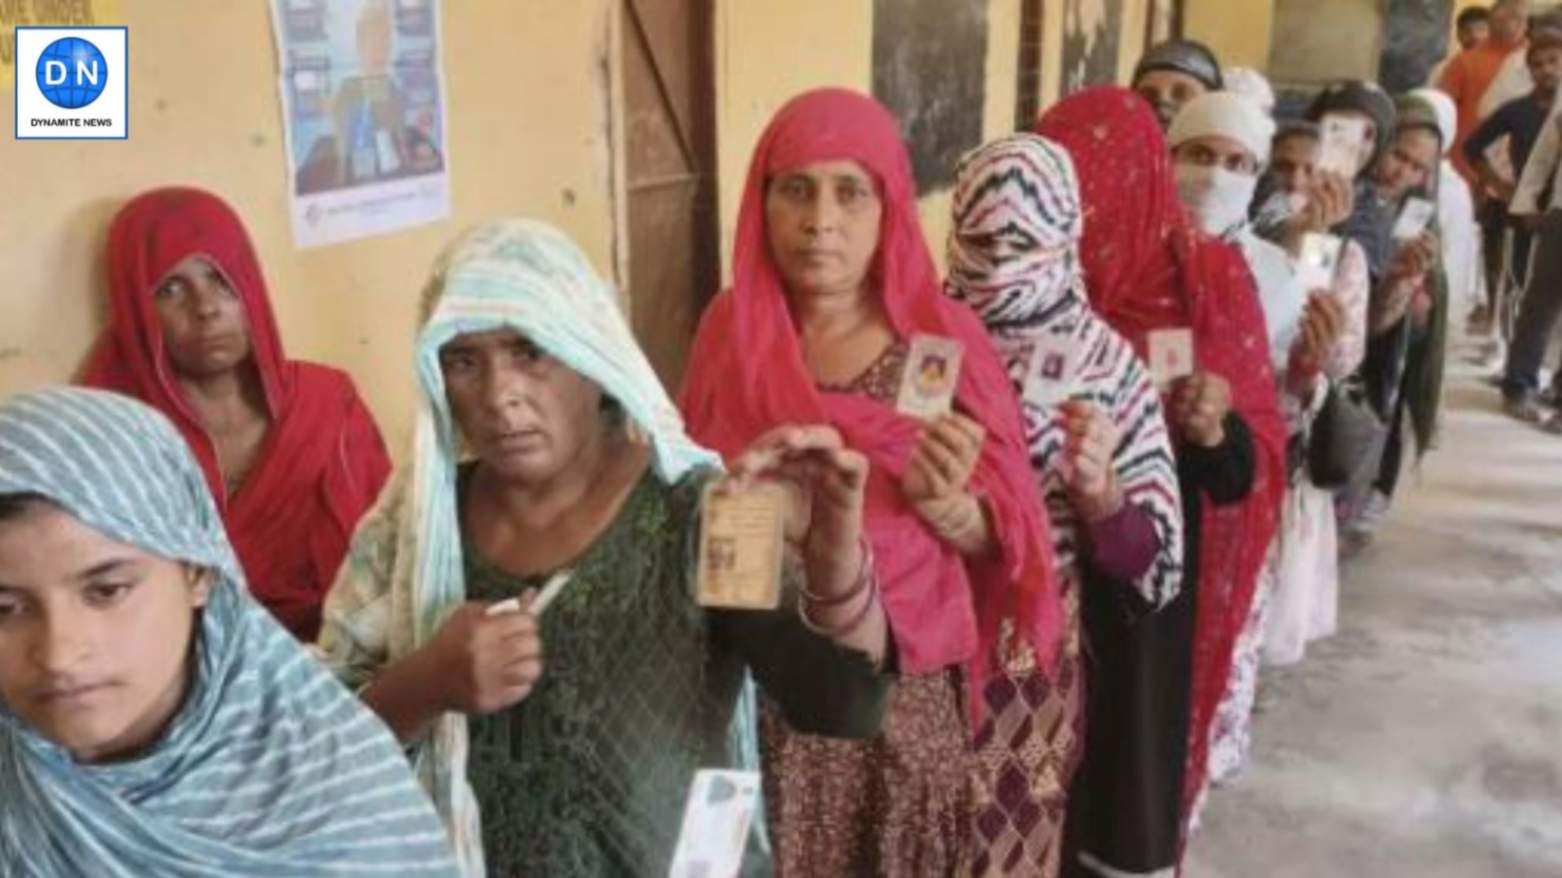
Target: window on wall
<point>1028,101</point>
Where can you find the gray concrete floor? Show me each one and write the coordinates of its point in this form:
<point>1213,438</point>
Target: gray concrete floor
<point>1425,739</point>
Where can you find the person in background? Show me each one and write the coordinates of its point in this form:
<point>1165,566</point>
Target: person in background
<point>290,452</point>
<point>1147,269</point>
<point>1220,143</point>
<point>576,733</point>
<point>1304,597</point>
<point>1519,122</point>
<point>1174,72</point>
<point>1407,325</point>
<point>154,720</point>
<point>1471,73</point>
<point>832,280</point>
<point>1103,462</point>
<point>1456,218</point>
<point>1471,29</point>
<point>1371,219</point>
<point>1542,308</point>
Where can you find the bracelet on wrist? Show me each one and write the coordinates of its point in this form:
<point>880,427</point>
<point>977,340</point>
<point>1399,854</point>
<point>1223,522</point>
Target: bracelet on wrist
<point>864,578</point>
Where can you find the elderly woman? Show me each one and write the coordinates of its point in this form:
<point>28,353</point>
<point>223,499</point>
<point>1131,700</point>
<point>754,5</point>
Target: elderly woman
<point>1148,269</point>
<point>1102,459</point>
<point>154,720</point>
<point>289,451</point>
<point>831,281</point>
<point>575,734</point>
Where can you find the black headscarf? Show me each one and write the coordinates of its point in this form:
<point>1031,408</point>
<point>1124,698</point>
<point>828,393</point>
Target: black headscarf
<point>1183,56</point>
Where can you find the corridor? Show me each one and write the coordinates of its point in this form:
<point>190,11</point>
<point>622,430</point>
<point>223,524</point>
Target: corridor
<point>1426,738</point>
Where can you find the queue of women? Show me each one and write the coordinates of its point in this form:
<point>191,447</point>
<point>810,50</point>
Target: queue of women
<point>1021,637</point>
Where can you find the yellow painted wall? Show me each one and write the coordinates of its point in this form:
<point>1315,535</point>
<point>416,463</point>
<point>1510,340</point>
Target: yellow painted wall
<point>529,134</point>
<point>767,52</point>
<point>1238,30</point>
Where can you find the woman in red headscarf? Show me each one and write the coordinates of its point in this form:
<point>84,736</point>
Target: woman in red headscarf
<point>291,454</point>
<point>1160,677</point>
<point>832,279</point>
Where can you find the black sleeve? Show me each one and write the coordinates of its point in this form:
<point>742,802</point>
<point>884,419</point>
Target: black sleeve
<point>1223,473</point>
<point>821,688</point>
<point>1492,130</point>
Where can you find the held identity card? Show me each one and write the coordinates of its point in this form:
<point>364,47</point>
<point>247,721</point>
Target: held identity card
<point>741,540</point>
<point>1171,355</point>
<point>716,822</point>
<point>1319,261</point>
<point>1051,378</point>
<point>927,389</point>
<point>1341,140</point>
<point>1414,217</point>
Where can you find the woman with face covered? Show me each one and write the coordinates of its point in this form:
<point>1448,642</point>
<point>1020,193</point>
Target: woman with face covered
<point>521,607</point>
<point>291,454</point>
<point>1148,269</point>
<point>154,720</point>
<point>1102,460</point>
<point>832,282</point>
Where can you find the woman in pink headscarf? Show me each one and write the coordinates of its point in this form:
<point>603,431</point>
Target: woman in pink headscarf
<point>832,280</point>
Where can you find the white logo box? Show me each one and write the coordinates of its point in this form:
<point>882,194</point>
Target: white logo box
<point>106,118</point>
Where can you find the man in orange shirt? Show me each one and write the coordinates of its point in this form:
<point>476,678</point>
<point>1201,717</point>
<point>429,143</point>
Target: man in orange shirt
<point>1471,72</point>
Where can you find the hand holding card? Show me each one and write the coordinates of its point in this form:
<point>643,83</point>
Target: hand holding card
<point>1342,140</point>
<point>1319,261</point>
<point>1051,375</point>
<point>927,387</point>
<point>741,539</point>
<point>1414,218</point>
<point>1171,356</point>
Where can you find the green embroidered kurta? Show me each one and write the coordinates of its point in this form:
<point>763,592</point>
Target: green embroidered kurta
<point>588,775</point>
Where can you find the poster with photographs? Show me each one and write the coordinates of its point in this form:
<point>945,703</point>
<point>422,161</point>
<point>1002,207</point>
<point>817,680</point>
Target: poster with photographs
<point>363,100</point>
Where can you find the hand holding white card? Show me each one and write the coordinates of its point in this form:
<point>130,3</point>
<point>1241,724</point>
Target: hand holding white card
<point>1050,380</point>
<point>1319,261</point>
<point>1341,142</point>
<point>716,822</point>
<point>1171,355</point>
<point>927,387</point>
<point>741,540</point>
<point>1414,217</point>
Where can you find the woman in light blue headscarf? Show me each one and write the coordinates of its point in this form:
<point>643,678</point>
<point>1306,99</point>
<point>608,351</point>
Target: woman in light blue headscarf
<point>551,471</point>
<point>154,719</point>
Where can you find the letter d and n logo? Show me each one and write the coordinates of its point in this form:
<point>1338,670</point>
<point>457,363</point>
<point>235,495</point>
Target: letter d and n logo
<point>78,87</point>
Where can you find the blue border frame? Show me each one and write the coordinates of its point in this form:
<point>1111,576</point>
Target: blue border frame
<point>16,84</point>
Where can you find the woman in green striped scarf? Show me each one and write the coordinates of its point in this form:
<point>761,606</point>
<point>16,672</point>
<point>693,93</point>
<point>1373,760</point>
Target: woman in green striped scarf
<point>547,457</point>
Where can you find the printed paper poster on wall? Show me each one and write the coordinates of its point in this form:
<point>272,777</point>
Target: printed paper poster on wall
<point>363,105</point>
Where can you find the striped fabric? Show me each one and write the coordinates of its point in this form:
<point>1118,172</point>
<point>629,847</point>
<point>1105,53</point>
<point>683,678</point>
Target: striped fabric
<point>1022,189</point>
<point>270,768</point>
<point>403,575</point>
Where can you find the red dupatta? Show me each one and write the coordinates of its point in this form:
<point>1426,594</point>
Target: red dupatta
<point>322,463</point>
<point>1147,267</point>
<point>747,376</point>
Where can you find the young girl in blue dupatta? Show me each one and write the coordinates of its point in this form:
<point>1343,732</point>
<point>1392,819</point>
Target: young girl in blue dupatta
<point>154,719</point>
